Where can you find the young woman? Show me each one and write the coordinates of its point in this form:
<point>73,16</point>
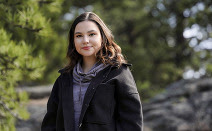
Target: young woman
<point>96,90</point>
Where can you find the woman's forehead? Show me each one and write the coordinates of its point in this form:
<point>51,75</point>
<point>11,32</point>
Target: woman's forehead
<point>86,26</point>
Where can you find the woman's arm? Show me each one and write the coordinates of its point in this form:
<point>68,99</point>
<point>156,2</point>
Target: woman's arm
<point>49,121</point>
<point>129,108</point>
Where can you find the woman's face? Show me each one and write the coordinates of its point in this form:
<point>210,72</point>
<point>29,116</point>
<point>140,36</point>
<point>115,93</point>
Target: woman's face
<point>87,39</point>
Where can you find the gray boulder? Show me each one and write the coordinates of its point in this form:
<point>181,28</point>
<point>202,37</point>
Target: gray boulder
<point>185,105</point>
<point>36,107</point>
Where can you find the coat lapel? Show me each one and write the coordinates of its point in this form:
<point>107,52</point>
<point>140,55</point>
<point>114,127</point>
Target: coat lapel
<point>91,90</point>
<point>67,102</point>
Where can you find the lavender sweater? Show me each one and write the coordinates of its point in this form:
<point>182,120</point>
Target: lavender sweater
<point>81,82</point>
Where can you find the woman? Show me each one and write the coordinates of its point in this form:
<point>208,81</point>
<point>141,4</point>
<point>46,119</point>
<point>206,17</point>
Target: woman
<point>96,90</point>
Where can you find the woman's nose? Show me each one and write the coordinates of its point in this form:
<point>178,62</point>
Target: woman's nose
<point>85,39</point>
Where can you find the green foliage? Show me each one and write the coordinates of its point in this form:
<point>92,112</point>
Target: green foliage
<point>38,23</point>
<point>209,69</point>
<point>146,90</point>
<point>15,58</point>
<point>26,35</point>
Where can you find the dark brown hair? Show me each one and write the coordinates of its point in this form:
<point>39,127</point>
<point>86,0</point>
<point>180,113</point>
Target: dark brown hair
<point>110,52</point>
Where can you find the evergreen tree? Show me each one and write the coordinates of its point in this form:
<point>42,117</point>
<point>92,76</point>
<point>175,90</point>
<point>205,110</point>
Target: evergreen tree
<point>25,30</point>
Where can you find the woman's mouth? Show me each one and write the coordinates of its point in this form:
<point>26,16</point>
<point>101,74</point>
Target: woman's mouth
<point>86,47</point>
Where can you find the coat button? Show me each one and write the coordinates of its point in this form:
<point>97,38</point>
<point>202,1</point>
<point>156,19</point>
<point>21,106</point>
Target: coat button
<point>80,125</point>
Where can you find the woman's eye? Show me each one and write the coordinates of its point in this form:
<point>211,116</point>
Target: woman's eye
<point>92,34</point>
<point>78,35</point>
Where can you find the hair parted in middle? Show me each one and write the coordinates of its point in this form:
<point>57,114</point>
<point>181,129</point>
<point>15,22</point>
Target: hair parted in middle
<point>109,53</point>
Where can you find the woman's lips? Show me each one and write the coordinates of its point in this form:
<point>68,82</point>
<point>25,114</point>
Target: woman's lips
<point>86,48</point>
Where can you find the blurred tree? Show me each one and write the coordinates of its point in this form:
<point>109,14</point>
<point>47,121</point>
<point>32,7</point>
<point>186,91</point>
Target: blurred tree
<point>26,44</point>
<point>152,35</point>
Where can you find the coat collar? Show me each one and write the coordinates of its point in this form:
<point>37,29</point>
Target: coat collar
<point>64,70</point>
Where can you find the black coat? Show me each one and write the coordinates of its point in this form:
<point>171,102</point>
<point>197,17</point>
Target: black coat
<point>111,103</point>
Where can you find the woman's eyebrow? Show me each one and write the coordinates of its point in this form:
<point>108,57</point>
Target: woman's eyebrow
<point>77,33</point>
<point>91,31</point>
<point>88,32</point>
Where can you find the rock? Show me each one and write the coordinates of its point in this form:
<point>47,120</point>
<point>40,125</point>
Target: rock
<point>37,110</point>
<point>37,92</point>
<point>36,107</point>
<point>185,105</point>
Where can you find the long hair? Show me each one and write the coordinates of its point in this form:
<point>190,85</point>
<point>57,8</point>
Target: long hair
<point>109,53</point>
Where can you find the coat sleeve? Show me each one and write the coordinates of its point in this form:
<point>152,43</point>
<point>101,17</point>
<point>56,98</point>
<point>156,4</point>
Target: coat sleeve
<point>49,121</point>
<point>129,108</point>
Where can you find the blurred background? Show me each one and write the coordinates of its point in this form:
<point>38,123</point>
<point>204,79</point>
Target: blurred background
<point>169,43</point>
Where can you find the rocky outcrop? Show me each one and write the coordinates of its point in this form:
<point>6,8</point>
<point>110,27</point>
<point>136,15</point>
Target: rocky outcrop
<point>185,106</point>
<point>36,92</point>
<point>36,107</point>
<point>37,110</point>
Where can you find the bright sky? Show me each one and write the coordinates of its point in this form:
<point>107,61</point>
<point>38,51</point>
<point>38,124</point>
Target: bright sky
<point>196,33</point>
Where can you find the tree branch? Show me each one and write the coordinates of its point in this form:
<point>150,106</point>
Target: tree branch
<point>27,28</point>
<point>8,109</point>
<point>45,1</point>
<point>14,4</point>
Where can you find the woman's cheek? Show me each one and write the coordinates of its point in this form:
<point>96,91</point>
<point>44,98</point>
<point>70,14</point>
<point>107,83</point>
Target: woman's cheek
<point>77,41</point>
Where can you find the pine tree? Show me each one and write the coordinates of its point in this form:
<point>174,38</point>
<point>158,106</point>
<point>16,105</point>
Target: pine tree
<point>25,27</point>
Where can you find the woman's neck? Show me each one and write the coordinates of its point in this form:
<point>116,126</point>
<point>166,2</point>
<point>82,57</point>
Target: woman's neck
<point>88,63</point>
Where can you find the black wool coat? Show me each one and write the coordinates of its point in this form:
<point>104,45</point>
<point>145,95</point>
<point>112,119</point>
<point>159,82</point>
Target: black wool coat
<point>111,103</point>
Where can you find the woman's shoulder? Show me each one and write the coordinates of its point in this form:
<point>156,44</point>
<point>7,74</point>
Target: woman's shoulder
<point>63,70</point>
<point>122,69</point>
<point>127,64</point>
<point>123,66</point>
<point>63,74</point>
